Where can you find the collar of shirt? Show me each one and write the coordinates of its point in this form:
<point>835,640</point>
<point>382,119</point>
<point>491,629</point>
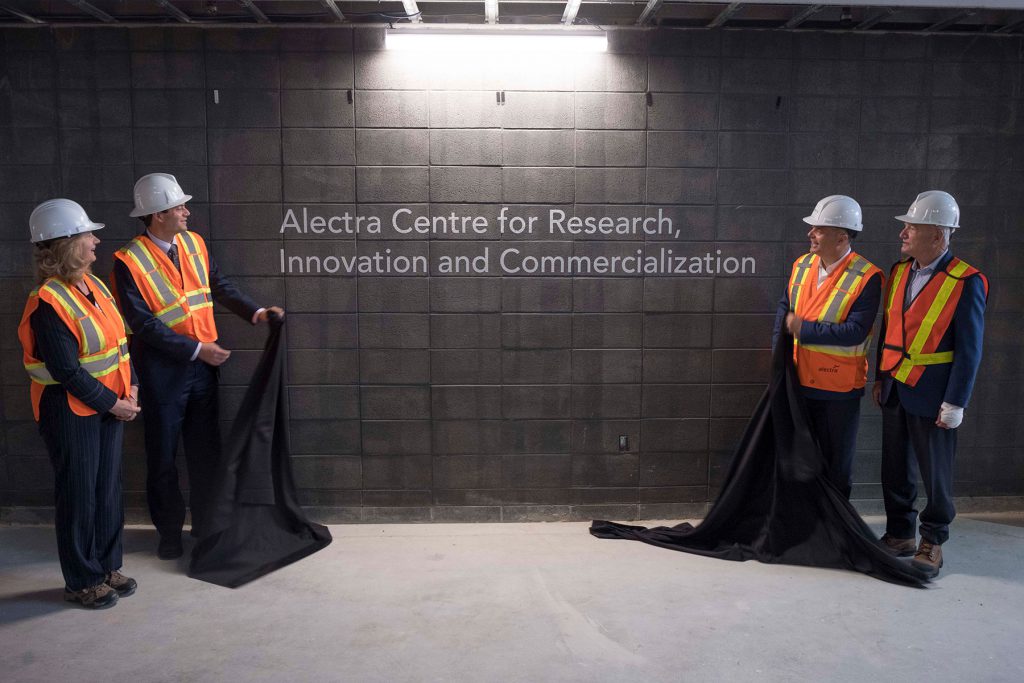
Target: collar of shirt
<point>925,270</point>
<point>158,242</point>
<point>824,272</point>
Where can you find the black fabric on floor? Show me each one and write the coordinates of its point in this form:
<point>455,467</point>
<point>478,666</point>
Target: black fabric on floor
<point>255,524</point>
<point>776,505</point>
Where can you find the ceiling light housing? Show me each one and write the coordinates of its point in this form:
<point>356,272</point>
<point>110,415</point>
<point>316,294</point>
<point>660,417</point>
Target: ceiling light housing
<point>495,39</point>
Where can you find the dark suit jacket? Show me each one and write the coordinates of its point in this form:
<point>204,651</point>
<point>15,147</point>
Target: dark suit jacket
<point>949,382</point>
<point>160,354</point>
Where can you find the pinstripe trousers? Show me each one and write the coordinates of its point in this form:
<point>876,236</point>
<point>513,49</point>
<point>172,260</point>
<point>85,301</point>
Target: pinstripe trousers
<point>86,457</point>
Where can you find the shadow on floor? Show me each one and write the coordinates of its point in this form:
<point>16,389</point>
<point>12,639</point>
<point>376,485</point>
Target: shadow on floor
<point>35,545</point>
<point>29,605</point>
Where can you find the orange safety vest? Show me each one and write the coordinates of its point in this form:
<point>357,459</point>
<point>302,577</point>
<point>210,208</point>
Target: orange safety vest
<point>913,335</point>
<point>102,343</point>
<point>180,300</point>
<point>821,366</point>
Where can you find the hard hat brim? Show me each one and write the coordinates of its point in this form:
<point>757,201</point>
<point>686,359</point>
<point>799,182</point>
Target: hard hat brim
<point>91,227</point>
<point>138,213</point>
<point>809,221</point>
<point>910,219</point>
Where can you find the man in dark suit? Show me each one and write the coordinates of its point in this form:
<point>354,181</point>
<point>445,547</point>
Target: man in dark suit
<point>928,359</point>
<point>829,306</point>
<point>166,283</point>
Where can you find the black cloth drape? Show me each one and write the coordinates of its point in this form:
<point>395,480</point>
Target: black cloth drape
<point>255,524</point>
<point>776,504</point>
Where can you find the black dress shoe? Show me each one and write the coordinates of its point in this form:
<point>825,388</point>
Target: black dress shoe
<point>169,548</point>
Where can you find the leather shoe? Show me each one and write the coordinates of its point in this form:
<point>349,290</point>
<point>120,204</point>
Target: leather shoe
<point>99,596</point>
<point>169,548</point>
<point>900,547</point>
<point>123,585</point>
<point>928,558</point>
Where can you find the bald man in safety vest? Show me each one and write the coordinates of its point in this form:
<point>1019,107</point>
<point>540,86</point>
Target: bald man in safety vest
<point>166,283</point>
<point>829,307</point>
<point>928,360</point>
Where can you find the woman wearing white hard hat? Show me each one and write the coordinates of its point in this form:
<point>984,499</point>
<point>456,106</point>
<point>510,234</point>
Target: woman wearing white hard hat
<point>83,390</point>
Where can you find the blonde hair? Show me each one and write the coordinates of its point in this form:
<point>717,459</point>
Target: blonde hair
<point>59,258</point>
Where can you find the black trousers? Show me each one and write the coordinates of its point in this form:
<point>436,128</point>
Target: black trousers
<point>913,446</point>
<point>191,416</point>
<point>86,457</point>
<point>834,425</point>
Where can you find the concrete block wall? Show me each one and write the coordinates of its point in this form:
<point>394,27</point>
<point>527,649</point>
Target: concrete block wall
<point>488,396</point>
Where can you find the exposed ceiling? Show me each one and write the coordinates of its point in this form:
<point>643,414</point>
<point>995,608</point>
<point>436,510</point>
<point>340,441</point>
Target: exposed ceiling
<point>985,16</point>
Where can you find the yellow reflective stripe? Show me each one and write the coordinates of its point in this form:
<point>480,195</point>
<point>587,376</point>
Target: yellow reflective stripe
<point>198,263</point>
<point>38,373</point>
<point>102,365</point>
<point>901,270</point>
<point>844,351</point>
<point>98,284</point>
<point>97,365</point>
<point>839,299</point>
<point>928,324</point>
<point>802,268</point>
<point>932,358</point>
<point>160,284</point>
<point>93,338</point>
<point>198,299</point>
<point>172,315</point>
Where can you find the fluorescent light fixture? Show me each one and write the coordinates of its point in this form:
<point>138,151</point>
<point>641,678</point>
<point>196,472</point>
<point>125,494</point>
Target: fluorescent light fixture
<point>491,40</point>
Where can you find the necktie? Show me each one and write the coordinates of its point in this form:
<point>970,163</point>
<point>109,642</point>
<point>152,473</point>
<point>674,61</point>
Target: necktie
<point>172,254</point>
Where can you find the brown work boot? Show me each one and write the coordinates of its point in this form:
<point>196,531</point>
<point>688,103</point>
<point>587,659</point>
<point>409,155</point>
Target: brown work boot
<point>928,558</point>
<point>900,547</point>
<point>124,585</point>
<point>99,596</point>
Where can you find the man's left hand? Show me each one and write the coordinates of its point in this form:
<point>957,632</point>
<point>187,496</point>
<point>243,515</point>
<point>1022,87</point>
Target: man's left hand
<point>265,314</point>
<point>950,416</point>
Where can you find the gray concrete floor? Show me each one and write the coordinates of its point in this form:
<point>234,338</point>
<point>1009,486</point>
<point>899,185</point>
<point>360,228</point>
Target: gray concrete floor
<point>518,602</point>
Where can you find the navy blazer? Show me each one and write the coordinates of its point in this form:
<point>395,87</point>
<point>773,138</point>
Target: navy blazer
<point>160,354</point>
<point>948,382</point>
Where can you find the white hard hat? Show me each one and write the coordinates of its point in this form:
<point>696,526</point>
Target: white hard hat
<point>837,211</point>
<point>157,192</point>
<point>933,207</point>
<point>56,218</point>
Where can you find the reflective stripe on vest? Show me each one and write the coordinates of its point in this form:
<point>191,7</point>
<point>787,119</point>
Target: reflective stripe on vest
<point>803,267</point>
<point>172,311</point>
<point>837,306</point>
<point>839,302</point>
<point>192,249</point>
<point>913,356</point>
<point>92,357</point>
<point>825,366</point>
<point>201,297</point>
<point>92,335</point>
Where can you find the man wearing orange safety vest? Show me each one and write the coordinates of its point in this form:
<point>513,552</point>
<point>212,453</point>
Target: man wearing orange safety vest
<point>928,357</point>
<point>166,283</point>
<point>829,307</point>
